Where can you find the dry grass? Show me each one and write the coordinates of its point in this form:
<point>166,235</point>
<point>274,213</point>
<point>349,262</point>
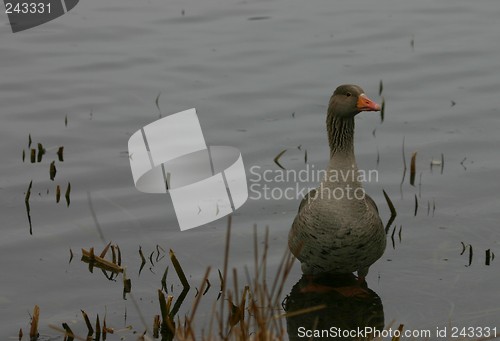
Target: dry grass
<point>248,313</point>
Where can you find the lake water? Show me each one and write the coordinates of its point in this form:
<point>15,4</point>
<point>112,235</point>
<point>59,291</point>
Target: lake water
<point>260,74</point>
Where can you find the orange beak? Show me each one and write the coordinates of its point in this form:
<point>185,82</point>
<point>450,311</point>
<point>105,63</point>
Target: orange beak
<point>366,104</point>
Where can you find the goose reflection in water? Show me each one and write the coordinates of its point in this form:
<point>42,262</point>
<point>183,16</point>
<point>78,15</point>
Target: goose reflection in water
<point>335,308</point>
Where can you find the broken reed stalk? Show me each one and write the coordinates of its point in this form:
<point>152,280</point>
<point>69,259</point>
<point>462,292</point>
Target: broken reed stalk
<point>224,274</point>
<point>400,329</point>
<point>118,252</point>
<point>105,250</point>
<point>28,193</point>
<point>143,260</point>
<point>58,193</point>
<point>235,283</point>
<point>404,168</point>
<point>163,305</point>
<point>412,168</point>
<point>151,258</point>
<point>255,255</point>
<point>262,268</point>
<point>34,323</point>
<point>164,281</point>
<point>190,320</point>
<point>67,194</point>
<point>113,254</point>
<point>392,209</point>
<point>202,288</point>
<point>277,158</point>
<point>127,285</point>
<point>470,255</point>
<point>208,287</point>
<point>243,325</point>
<point>101,263</point>
<point>68,333</point>
<point>167,324</point>
<point>97,329</point>
<point>41,152</point>
<point>88,324</point>
<point>156,326</point>
<point>178,269</point>
<point>382,110</point>
<point>27,204</point>
<point>53,170</point>
<point>392,237</point>
<point>60,154</point>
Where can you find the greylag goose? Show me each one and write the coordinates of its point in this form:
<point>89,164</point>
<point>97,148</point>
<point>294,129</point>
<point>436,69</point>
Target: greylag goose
<point>335,232</point>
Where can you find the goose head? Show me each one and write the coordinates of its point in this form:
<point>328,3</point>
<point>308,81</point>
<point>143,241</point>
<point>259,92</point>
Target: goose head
<point>349,100</point>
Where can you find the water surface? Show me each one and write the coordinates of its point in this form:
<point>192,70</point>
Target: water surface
<point>247,66</point>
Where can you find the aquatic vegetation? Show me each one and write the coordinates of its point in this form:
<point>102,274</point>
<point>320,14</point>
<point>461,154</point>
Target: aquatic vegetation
<point>277,158</point>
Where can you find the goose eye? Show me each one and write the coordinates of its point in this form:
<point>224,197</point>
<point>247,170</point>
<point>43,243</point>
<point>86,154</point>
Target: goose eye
<point>348,94</point>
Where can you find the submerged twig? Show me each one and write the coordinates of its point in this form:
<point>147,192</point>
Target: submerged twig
<point>60,154</point>
<point>404,168</point>
<point>143,260</point>
<point>67,194</point>
<point>277,157</point>
<point>41,152</point>
<point>53,170</point>
<point>392,209</point>
<point>488,257</point>
<point>382,110</point>
<point>412,168</point>
<point>27,204</point>
<point>33,155</point>
<point>164,281</point>
<point>392,237</point>
<point>470,254</point>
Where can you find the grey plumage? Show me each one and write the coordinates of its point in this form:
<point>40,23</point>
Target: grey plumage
<point>333,231</point>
